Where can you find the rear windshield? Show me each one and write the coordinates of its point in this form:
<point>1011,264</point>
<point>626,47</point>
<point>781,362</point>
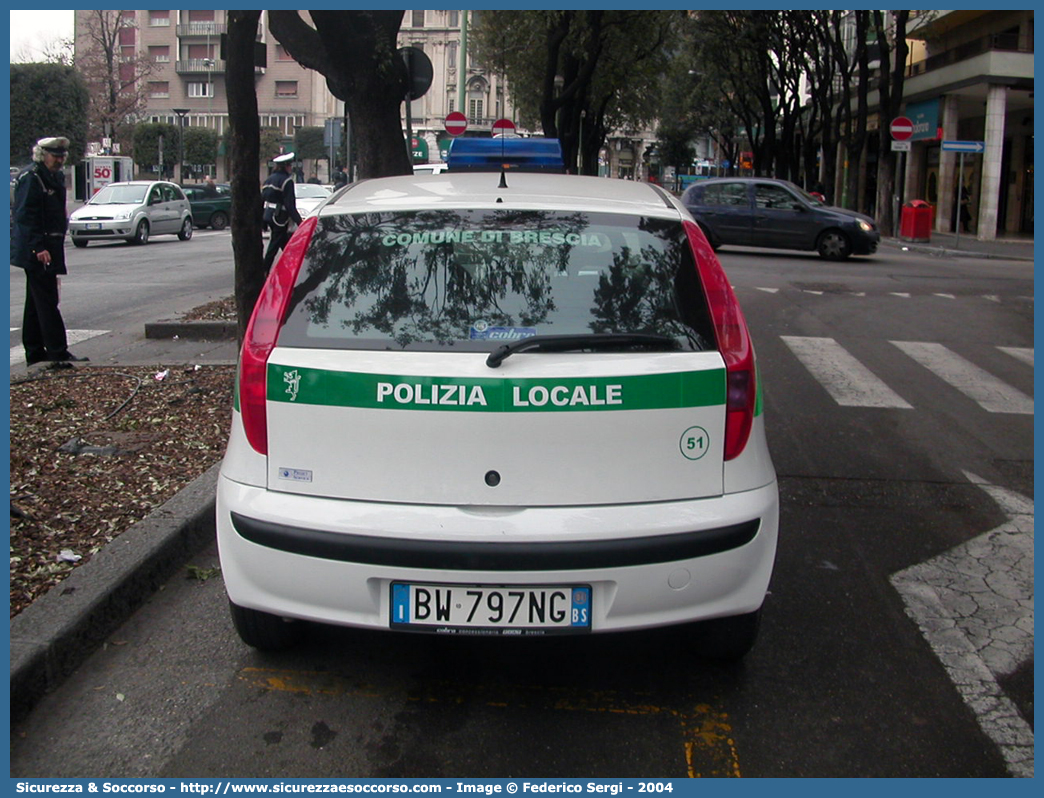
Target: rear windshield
<point>474,279</point>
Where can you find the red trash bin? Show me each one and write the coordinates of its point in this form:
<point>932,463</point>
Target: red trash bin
<point>915,223</point>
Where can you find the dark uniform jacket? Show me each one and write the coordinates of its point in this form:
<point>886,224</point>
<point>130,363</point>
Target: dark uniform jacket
<point>278,195</point>
<point>39,219</point>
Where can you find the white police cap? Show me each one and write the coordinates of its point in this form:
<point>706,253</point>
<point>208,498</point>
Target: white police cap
<point>283,158</point>
<point>59,145</point>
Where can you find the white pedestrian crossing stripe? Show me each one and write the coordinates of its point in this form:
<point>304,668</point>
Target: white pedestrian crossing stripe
<point>851,384</point>
<point>848,381</point>
<point>996,298</point>
<point>73,337</point>
<point>1019,352</point>
<point>977,384</point>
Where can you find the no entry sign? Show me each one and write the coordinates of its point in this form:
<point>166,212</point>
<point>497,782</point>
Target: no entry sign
<point>901,128</point>
<point>502,126</point>
<point>456,123</point>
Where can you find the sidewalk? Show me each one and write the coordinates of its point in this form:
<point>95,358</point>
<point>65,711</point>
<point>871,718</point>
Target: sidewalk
<point>58,631</point>
<point>968,246</point>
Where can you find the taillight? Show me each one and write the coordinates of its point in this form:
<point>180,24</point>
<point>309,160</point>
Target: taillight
<point>733,342</point>
<point>262,332</point>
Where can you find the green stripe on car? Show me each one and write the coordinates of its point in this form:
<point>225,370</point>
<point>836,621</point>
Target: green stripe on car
<point>480,395</point>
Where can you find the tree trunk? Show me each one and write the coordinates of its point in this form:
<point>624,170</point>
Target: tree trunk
<point>356,52</point>
<point>893,73</point>
<point>244,157</point>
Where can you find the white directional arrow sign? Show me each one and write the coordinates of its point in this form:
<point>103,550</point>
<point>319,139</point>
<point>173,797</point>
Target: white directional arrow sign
<point>964,146</point>
<point>974,605</point>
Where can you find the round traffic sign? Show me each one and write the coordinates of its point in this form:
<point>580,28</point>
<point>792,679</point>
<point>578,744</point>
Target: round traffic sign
<point>503,127</point>
<point>456,123</point>
<point>420,70</point>
<point>901,128</point>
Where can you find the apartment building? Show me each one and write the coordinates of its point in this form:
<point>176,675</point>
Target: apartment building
<point>458,83</point>
<point>970,79</point>
<point>188,76</point>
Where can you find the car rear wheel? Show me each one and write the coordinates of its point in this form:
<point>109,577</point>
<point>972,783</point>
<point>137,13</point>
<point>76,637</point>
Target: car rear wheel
<point>141,233</point>
<point>219,221</point>
<point>264,631</point>
<point>727,639</point>
<point>714,242</point>
<point>834,245</point>
<point>79,243</point>
<point>186,229</point>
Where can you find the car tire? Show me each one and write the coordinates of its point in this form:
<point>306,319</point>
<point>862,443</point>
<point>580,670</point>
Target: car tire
<point>219,221</point>
<point>186,229</point>
<point>728,639</point>
<point>141,233</point>
<point>264,631</point>
<point>834,245</point>
<point>79,243</point>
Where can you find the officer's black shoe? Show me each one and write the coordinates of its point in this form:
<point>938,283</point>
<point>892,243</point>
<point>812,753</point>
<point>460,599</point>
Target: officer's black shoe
<point>33,360</point>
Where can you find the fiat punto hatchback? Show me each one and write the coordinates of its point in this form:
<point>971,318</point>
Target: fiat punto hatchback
<point>498,404</point>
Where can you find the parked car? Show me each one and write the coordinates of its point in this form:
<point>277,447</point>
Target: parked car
<point>211,207</point>
<point>134,211</point>
<point>309,196</point>
<point>525,404</point>
<point>765,212</point>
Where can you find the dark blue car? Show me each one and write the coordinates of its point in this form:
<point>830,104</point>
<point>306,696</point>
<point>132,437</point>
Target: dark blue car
<point>765,212</point>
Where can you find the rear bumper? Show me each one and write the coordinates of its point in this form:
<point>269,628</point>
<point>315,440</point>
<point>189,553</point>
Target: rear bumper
<point>649,565</point>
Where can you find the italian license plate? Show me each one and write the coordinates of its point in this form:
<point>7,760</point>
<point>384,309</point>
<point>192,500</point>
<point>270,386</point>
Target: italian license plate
<point>93,226</point>
<point>493,610</point>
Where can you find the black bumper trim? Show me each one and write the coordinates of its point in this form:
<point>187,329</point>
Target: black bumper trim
<point>461,556</point>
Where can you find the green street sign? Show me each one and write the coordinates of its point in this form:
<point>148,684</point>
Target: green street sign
<point>419,148</point>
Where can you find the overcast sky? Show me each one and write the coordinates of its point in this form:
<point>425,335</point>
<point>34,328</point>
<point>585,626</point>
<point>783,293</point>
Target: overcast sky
<point>32,30</point>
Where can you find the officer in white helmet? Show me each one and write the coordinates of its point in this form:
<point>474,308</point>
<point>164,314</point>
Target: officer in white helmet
<point>280,206</point>
<point>38,227</point>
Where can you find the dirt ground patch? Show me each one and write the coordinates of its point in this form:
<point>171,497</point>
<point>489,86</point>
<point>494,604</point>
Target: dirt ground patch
<point>95,449</point>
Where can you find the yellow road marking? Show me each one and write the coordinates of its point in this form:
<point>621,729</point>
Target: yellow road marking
<point>707,742</point>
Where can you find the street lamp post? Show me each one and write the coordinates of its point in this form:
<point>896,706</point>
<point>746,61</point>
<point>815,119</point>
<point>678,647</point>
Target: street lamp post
<point>580,146</point>
<point>181,142</point>
<point>209,63</point>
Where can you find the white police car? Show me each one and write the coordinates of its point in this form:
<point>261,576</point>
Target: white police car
<point>498,403</point>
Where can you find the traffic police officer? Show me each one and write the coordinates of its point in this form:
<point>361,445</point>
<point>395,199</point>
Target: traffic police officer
<point>38,246</point>
<point>280,206</point>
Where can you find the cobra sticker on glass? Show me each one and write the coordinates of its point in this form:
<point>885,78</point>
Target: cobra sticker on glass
<point>481,331</point>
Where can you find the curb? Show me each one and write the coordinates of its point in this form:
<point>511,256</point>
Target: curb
<point>937,249</point>
<point>192,330</point>
<point>52,636</point>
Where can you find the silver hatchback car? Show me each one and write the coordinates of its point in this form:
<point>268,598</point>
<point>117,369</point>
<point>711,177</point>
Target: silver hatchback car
<point>134,211</point>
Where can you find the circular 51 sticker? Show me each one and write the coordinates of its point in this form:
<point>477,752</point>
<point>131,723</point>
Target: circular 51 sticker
<point>694,443</point>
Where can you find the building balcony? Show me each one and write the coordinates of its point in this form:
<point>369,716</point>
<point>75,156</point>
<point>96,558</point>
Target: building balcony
<point>199,66</point>
<point>208,28</point>
<point>998,42</point>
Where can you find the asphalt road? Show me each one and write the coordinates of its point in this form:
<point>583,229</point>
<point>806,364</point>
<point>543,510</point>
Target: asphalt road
<point>113,289</point>
<point>898,401</point>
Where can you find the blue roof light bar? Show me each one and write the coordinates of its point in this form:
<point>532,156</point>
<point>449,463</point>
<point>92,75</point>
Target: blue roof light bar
<point>494,155</point>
